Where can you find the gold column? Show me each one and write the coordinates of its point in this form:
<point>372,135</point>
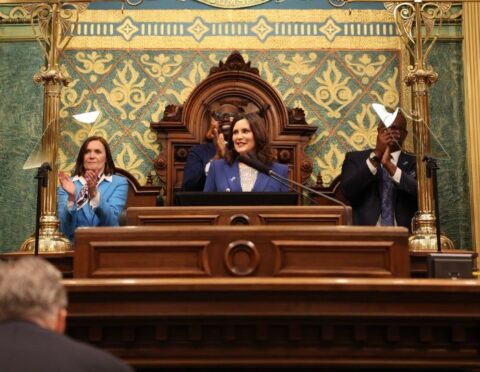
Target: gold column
<point>52,26</point>
<point>416,23</point>
<point>471,56</point>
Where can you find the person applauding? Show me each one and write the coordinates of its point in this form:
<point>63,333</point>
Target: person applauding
<point>94,196</point>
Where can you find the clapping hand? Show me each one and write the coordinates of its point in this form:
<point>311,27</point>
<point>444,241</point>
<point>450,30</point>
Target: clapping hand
<point>220,143</point>
<point>91,176</point>
<point>67,184</point>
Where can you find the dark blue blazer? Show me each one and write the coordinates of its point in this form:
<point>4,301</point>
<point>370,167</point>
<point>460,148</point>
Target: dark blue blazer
<point>113,197</point>
<point>363,189</point>
<point>223,177</point>
<point>194,172</point>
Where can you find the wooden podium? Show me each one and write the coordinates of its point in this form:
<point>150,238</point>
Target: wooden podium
<point>238,251</point>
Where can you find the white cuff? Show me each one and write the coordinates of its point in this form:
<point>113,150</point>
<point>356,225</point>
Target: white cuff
<point>397,175</point>
<point>372,168</point>
<point>95,202</point>
<point>207,167</point>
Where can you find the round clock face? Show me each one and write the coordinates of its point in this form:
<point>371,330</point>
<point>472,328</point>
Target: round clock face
<point>232,4</point>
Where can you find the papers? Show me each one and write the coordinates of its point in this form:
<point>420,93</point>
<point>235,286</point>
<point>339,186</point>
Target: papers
<point>87,117</point>
<point>386,117</point>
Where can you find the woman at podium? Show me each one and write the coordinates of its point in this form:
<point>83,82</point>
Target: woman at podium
<point>94,196</point>
<point>249,139</point>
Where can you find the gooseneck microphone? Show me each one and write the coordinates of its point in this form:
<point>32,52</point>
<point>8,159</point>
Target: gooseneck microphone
<point>259,166</point>
<point>255,164</point>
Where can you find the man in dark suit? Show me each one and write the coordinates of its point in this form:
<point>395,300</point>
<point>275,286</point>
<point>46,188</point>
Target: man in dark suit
<point>32,321</point>
<point>380,183</point>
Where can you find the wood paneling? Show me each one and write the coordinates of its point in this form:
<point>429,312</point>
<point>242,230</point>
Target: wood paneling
<point>236,215</point>
<point>280,322</point>
<point>222,251</point>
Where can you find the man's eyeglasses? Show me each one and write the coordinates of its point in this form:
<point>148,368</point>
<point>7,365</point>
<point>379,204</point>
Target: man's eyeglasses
<point>224,116</point>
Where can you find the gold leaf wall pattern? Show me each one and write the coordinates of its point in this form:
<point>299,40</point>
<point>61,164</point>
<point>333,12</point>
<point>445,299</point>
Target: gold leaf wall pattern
<point>132,89</point>
<point>131,80</point>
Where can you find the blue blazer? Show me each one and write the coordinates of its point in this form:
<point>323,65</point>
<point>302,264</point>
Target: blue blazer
<point>223,177</point>
<point>113,196</point>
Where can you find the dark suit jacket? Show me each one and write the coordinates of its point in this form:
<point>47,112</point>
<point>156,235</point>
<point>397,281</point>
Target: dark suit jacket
<point>26,347</point>
<point>363,189</point>
<point>223,177</point>
<point>194,172</point>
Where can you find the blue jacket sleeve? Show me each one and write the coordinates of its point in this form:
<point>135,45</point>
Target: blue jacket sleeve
<point>110,207</point>
<point>282,170</point>
<point>67,217</point>
<point>210,183</point>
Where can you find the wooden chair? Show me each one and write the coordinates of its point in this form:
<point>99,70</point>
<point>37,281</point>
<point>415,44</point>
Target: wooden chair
<point>234,82</point>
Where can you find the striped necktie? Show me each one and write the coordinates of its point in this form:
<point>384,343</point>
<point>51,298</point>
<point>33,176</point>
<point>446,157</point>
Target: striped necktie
<point>387,199</point>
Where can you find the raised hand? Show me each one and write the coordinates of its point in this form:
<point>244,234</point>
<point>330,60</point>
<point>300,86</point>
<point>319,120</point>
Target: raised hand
<point>67,184</point>
<point>220,144</point>
<point>91,176</point>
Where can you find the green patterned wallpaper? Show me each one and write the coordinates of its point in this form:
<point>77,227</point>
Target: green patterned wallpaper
<point>21,107</point>
<point>448,123</point>
<point>130,66</point>
<point>130,89</point>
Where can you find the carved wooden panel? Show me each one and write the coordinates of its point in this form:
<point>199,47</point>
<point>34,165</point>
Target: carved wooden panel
<point>283,322</point>
<point>257,251</point>
<point>139,195</point>
<point>236,215</point>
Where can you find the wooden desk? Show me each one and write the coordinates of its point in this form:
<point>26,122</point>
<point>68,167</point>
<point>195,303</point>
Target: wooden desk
<point>226,251</point>
<point>280,322</point>
<point>63,261</point>
<point>235,215</point>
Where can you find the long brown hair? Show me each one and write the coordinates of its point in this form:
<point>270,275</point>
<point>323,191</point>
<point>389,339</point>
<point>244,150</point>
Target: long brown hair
<point>263,150</point>
<point>109,165</point>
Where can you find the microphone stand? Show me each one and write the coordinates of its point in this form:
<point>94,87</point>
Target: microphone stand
<point>42,177</point>
<point>284,180</point>
<point>432,173</point>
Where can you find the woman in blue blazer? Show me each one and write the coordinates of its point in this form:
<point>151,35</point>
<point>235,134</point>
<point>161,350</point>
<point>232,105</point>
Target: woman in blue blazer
<point>94,196</point>
<point>249,137</point>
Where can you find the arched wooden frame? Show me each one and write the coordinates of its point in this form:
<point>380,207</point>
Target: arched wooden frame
<point>231,82</point>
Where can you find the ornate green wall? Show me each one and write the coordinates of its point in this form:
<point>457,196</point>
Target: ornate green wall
<point>21,107</point>
<point>130,65</point>
<point>448,124</point>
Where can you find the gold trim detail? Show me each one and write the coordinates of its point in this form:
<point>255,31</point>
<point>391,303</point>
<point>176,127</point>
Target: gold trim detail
<point>471,47</point>
<point>234,4</point>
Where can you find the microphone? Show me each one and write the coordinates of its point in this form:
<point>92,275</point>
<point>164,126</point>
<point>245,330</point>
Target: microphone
<point>259,166</point>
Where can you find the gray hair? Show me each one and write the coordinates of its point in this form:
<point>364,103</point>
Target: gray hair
<point>30,288</point>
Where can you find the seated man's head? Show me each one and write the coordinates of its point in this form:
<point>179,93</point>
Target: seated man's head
<point>222,117</point>
<point>397,131</point>
<point>31,289</point>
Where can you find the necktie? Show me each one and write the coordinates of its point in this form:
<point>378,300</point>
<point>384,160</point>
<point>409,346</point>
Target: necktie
<point>387,199</point>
